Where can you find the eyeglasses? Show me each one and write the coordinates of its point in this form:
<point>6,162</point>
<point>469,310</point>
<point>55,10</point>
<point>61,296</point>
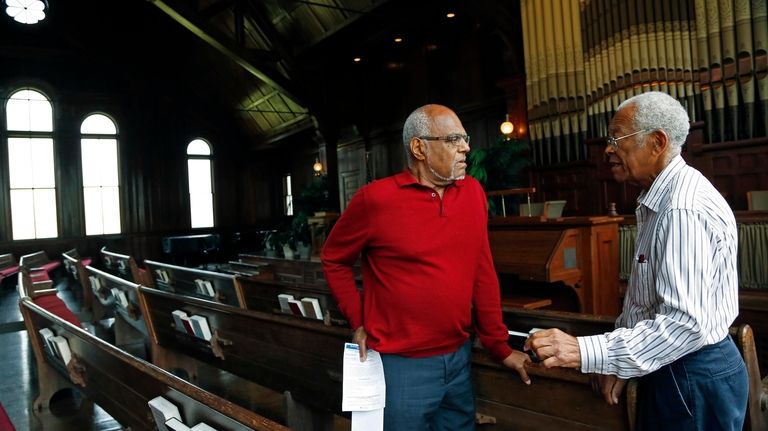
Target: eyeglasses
<point>614,142</point>
<point>453,140</point>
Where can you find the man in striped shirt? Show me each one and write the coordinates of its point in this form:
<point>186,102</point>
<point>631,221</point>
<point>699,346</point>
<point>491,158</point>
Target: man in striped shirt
<point>683,292</point>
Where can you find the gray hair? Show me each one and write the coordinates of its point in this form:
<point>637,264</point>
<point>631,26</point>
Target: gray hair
<point>417,124</point>
<point>656,110</point>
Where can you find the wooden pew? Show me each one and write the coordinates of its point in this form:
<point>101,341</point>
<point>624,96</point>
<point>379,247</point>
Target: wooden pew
<point>280,352</point>
<point>75,265</point>
<point>8,266</point>
<point>39,262</point>
<point>187,281</point>
<point>120,298</point>
<point>122,384</point>
<point>123,266</point>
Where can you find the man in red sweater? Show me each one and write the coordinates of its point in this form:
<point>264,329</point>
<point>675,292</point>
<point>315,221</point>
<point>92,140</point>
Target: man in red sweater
<point>422,237</point>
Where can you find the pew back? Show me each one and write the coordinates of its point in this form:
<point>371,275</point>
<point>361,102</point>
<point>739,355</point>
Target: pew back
<point>121,296</point>
<point>123,384</point>
<point>8,266</point>
<point>122,265</point>
<point>38,261</point>
<point>76,266</point>
<point>279,352</point>
<point>219,288</point>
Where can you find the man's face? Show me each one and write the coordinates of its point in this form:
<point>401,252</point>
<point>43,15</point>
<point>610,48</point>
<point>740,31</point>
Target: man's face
<point>448,159</point>
<point>630,162</point>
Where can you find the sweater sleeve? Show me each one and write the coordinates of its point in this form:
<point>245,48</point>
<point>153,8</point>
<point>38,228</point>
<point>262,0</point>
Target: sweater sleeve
<point>486,299</point>
<point>340,252</point>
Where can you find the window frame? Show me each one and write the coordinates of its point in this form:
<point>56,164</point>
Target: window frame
<point>116,138</point>
<point>209,157</point>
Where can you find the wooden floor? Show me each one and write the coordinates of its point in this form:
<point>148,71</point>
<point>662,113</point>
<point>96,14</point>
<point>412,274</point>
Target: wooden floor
<point>69,412</point>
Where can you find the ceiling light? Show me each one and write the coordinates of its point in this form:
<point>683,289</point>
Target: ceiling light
<point>507,127</point>
<point>26,11</point>
<point>450,15</point>
<point>398,39</point>
<point>357,59</point>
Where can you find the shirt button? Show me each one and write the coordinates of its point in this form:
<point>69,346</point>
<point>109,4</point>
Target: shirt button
<point>434,194</point>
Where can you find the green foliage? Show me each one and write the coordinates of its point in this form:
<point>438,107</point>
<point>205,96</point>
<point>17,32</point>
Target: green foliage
<point>500,166</point>
<point>314,197</point>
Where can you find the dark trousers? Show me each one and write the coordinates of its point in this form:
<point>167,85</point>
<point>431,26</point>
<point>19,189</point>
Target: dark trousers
<point>429,394</point>
<point>704,390</point>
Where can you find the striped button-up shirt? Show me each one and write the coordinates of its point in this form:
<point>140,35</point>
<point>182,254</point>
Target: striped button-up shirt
<point>683,291</point>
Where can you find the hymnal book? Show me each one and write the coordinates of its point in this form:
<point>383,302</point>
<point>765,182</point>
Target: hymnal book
<point>284,298</point>
<point>163,410</point>
<point>174,424</point>
<point>204,287</point>
<point>120,297</point>
<point>62,348</point>
<point>182,322</point>
<point>312,308</point>
<point>201,328</point>
<point>47,334</point>
<point>297,308</point>
<point>202,426</point>
<point>162,276</point>
<point>95,283</point>
<point>121,264</point>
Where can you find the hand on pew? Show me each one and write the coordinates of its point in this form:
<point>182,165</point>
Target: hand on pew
<point>517,361</point>
<point>555,348</point>
<point>610,386</point>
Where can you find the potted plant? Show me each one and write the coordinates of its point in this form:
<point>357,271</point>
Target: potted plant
<point>272,243</point>
<point>301,235</point>
<point>500,166</point>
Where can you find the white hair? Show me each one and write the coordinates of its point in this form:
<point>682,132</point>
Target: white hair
<point>417,124</point>
<point>656,110</point>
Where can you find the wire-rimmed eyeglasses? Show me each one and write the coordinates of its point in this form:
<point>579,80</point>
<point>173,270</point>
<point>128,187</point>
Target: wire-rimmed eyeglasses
<point>453,140</point>
<point>614,142</point>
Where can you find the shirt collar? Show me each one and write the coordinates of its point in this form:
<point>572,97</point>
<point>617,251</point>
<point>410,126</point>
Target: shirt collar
<point>652,197</point>
<point>406,178</point>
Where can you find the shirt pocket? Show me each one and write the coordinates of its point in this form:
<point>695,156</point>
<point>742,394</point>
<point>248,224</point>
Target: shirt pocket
<point>641,287</point>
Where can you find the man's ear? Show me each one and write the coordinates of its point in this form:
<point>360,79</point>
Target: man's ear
<point>660,141</point>
<point>417,149</point>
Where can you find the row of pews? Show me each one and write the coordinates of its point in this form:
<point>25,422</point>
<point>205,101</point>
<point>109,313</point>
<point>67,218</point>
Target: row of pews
<point>251,335</point>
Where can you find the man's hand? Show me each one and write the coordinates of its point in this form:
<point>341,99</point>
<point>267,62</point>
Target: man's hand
<point>555,348</point>
<point>359,337</point>
<point>609,385</point>
<point>517,360</point>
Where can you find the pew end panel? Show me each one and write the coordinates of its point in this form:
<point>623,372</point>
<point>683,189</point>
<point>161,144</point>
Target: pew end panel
<point>76,266</point>
<point>757,404</point>
<point>123,384</point>
<point>220,287</point>
<point>8,266</point>
<point>271,350</point>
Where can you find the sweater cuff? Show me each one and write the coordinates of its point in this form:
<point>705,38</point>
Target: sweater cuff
<point>500,351</point>
<point>594,353</point>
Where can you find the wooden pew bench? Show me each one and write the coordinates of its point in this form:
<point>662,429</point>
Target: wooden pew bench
<point>120,383</point>
<point>40,267</point>
<point>198,283</point>
<point>562,398</point>
<point>119,297</point>
<point>43,294</point>
<point>279,352</point>
<point>75,265</point>
<point>123,266</point>
<point>8,266</point>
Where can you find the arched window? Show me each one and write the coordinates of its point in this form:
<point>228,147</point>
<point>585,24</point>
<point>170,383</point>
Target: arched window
<point>200,183</point>
<point>101,183</point>
<point>32,179</point>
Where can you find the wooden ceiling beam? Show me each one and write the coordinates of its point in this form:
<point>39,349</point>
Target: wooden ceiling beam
<point>236,54</point>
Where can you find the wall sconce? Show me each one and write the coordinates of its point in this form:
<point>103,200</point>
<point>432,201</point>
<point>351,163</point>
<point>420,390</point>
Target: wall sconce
<point>317,167</point>
<point>507,127</point>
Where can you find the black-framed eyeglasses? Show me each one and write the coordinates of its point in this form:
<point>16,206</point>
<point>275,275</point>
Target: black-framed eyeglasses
<point>614,142</point>
<point>452,140</point>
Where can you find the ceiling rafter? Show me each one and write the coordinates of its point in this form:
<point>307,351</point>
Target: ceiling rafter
<point>215,9</point>
<point>235,53</point>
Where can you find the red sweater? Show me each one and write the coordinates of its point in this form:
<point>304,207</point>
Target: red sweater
<point>426,264</point>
